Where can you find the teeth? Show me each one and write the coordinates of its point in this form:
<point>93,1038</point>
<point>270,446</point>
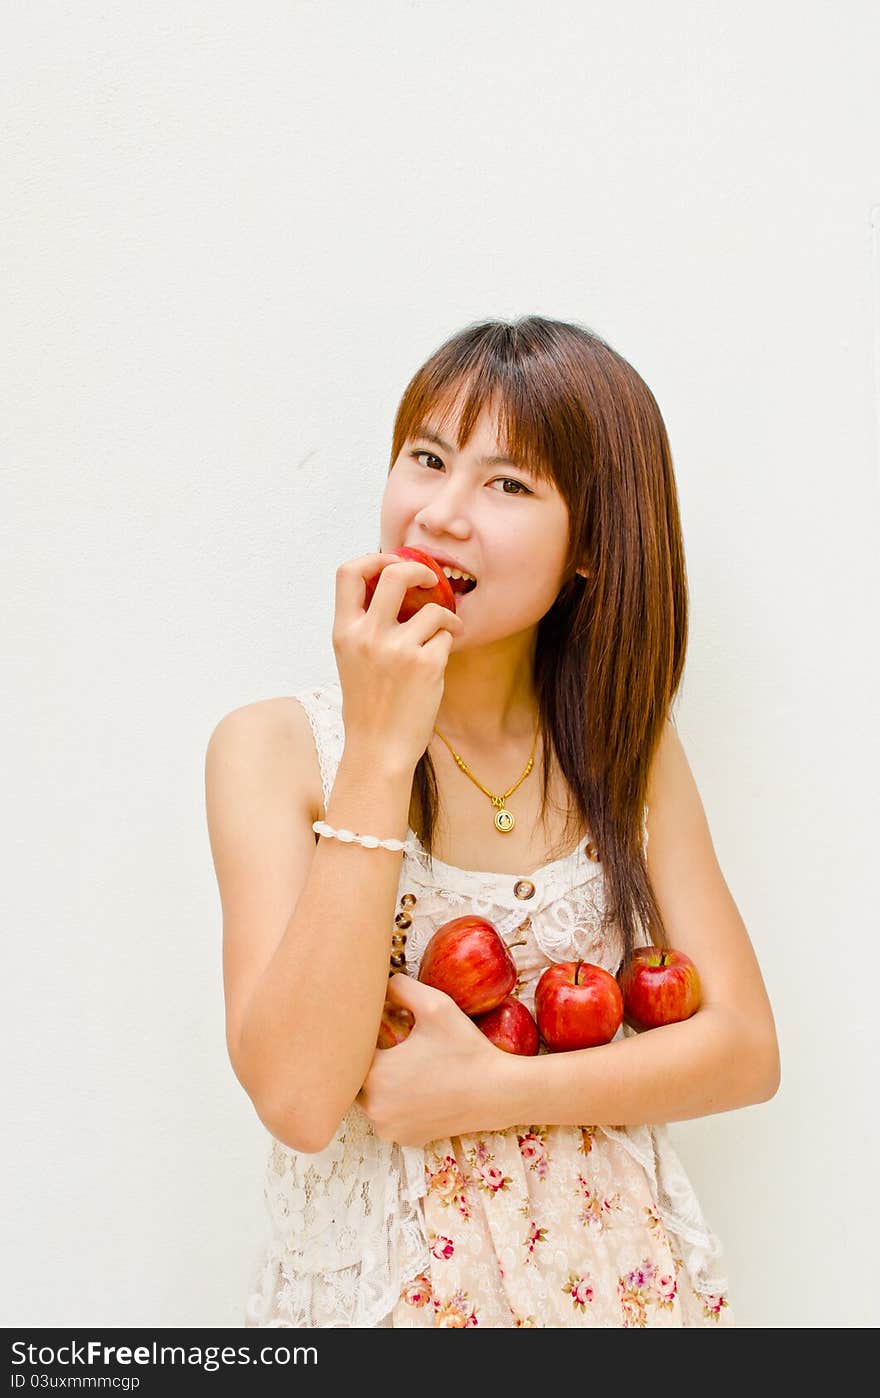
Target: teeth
<point>456,573</point>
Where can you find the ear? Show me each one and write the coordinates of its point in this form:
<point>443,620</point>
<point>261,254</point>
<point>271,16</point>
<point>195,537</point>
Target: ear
<point>580,575</point>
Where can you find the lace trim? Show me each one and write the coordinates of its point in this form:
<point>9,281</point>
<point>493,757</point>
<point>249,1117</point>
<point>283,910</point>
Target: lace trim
<point>323,706</point>
<point>346,1231</point>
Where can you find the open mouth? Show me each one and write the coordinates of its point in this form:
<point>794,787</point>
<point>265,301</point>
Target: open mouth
<point>460,581</point>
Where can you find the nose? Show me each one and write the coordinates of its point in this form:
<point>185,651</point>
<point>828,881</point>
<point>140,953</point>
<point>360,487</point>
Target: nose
<point>445,513</point>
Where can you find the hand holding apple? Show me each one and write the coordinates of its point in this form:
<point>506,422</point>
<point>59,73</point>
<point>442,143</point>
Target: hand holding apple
<point>392,675</point>
<point>417,597</point>
<point>441,1081</point>
<point>660,985</point>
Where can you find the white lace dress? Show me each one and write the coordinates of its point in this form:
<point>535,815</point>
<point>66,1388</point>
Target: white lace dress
<point>539,1225</point>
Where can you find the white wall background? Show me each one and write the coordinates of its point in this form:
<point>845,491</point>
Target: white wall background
<point>231,234</point>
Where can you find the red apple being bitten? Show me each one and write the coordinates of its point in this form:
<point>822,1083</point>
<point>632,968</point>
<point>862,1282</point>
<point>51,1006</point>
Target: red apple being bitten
<point>419,596</point>
<point>660,986</point>
<point>577,1005</point>
<point>468,959</point>
<point>511,1027</point>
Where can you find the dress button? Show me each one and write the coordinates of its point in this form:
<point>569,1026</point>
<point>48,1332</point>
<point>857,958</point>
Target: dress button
<point>524,888</point>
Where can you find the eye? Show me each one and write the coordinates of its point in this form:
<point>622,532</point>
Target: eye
<point>520,488</point>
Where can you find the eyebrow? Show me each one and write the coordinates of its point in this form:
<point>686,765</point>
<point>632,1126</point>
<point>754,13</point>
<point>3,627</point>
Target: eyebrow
<point>424,436</point>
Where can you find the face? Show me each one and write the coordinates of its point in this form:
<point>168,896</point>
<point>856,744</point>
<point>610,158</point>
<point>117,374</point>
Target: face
<point>502,524</point>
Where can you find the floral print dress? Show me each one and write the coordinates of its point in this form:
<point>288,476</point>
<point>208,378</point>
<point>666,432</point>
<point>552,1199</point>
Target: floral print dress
<point>538,1226</point>
<point>556,1226</point>
<point>544,1228</point>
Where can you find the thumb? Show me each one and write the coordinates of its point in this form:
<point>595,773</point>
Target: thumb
<point>411,994</point>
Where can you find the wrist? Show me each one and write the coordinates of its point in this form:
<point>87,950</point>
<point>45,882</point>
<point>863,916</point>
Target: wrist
<point>365,762</point>
<point>509,1091</point>
<point>369,797</point>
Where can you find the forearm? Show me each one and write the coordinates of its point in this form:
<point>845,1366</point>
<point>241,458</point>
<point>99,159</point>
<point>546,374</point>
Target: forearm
<point>310,1031</point>
<point>709,1063</point>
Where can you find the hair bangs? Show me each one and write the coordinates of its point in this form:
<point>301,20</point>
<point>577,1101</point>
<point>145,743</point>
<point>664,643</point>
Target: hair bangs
<point>451,396</point>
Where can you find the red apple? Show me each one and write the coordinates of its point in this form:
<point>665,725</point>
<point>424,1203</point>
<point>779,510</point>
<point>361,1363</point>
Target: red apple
<point>577,1005</point>
<point>468,959</point>
<point>511,1027</point>
<point>416,597</point>
<point>660,986</point>
<point>394,1026</point>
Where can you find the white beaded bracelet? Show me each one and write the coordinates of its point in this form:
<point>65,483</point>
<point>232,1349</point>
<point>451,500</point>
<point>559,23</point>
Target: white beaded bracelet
<point>368,841</point>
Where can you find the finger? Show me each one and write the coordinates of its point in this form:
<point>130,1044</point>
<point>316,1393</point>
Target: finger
<point>411,994</point>
<point>394,583</point>
<point>431,619</point>
<point>440,645</point>
<point>351,581</point>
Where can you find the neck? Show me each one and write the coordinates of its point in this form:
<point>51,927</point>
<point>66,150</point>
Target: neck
<point>489,698</point>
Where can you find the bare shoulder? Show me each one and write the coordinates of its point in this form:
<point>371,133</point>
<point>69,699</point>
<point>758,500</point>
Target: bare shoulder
<point>276,734</point>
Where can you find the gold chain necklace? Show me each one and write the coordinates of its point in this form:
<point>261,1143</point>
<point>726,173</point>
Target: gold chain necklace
<point>505,820</point>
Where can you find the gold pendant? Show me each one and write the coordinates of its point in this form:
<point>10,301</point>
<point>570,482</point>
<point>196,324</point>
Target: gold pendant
<point>504,820</point>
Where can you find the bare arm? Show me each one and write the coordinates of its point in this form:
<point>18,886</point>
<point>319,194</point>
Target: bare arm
<point>307,931</point>
<point>306,928</point>
<point>671,1073</point>
<point>725,1056</point>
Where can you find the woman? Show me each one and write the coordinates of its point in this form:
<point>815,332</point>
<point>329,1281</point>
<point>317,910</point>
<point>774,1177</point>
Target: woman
<point>444,1182</point>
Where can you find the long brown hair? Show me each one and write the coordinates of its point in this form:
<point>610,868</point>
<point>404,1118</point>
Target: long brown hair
<point>610,651</point>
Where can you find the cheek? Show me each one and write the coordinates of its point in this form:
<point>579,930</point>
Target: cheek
<point>535,553</point>
<point>394,507</point>
<point>400,493</point>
